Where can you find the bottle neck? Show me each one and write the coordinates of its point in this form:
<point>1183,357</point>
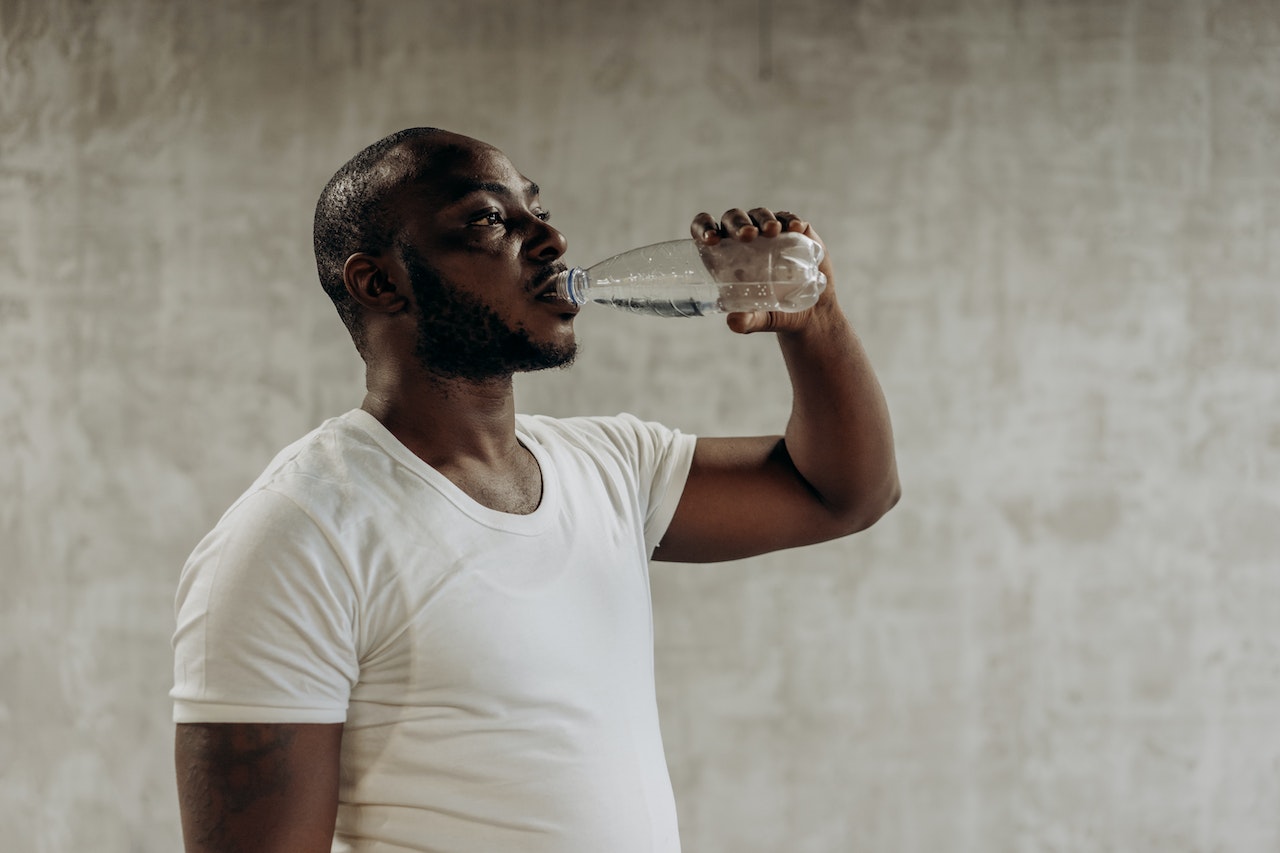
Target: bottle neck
<point>572,284</point>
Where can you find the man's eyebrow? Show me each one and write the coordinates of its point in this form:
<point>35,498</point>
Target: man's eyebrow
<point>466,188</point>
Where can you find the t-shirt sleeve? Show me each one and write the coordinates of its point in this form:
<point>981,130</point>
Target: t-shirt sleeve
<point>661,457</point>
<point>266,621</point>
<point>666,456</point>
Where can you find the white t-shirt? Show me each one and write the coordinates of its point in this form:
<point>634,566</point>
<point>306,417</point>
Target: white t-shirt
<point>494,672</point>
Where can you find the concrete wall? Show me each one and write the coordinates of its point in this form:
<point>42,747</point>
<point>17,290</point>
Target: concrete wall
<point>1054,221</point>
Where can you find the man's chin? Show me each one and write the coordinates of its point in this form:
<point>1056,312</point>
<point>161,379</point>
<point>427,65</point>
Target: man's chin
<point>552,359</point>
<point>488,366</point>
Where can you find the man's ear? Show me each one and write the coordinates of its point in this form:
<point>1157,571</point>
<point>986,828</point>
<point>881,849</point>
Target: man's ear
<point>369,281</point>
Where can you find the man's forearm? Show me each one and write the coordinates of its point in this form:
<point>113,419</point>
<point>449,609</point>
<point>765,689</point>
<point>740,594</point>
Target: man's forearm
<point>839,435</point>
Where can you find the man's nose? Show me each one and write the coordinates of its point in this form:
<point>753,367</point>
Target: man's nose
<point>546,244</point>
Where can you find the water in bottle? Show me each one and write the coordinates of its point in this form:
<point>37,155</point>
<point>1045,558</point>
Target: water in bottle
<point>687,278</point>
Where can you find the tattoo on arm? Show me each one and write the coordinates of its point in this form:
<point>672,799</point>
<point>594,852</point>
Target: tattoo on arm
<point>225,773</point>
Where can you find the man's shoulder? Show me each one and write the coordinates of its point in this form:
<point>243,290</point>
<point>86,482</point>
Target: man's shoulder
<point>621,436</point>
<point>582,430</point>
<point>315,467</point>
<point>323,453</point>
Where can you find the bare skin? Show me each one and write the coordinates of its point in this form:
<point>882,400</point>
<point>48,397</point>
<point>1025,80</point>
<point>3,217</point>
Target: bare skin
<point>244,786</point>
<point>273,788</point>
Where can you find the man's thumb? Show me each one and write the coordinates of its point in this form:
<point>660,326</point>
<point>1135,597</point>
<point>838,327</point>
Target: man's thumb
<point>746,322</point>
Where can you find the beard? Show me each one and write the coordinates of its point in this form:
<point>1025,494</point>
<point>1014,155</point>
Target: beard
<point>460,337</point>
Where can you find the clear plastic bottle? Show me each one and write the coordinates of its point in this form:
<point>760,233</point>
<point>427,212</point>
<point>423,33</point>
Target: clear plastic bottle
<point>685,278</point>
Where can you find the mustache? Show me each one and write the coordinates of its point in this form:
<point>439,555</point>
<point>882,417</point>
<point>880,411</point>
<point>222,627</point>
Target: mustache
<point>545,275</point>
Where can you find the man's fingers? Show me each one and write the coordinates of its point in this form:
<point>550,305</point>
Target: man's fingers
<point>737,225</point>
<point>705,229</point>
<point>769,225</point>
<point>791,222</point>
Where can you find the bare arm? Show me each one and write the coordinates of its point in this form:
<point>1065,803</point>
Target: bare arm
<point>834,470</point>
<point>265,788</point>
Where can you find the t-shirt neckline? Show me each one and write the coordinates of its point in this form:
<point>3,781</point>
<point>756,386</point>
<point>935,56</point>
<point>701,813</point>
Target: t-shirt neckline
<point>529,524</point>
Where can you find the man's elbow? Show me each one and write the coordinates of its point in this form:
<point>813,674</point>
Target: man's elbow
<point>873,506</point>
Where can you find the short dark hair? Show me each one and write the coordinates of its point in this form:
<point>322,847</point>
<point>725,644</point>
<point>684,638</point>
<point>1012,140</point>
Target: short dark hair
<point>355,213</point>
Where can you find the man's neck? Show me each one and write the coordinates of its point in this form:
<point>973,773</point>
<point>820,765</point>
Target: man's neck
<point>445,421</point>
<point>466,431</point>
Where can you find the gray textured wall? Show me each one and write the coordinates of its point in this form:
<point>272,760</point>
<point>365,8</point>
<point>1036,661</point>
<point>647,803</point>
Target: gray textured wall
<point>1055,223</point>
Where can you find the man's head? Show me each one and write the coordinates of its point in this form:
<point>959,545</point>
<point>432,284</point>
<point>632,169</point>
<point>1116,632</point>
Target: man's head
<point>432,246</point>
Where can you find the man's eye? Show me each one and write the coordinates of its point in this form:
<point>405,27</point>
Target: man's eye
<point>544,215</point>
<point>492,218</point>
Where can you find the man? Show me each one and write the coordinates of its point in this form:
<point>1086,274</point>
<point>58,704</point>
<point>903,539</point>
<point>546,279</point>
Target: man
<point>426,626</point>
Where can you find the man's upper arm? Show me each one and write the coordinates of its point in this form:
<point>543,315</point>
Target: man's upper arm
<point>743,497</point>
<point>258,786</point>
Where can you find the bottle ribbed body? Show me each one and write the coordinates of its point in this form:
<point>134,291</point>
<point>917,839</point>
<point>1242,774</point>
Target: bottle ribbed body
<point>683,278</point>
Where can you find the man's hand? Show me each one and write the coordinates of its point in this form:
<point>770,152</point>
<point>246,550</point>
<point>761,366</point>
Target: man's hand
<point>747,226</point>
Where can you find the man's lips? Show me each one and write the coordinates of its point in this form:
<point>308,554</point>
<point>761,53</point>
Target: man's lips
<point>543,288</point>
